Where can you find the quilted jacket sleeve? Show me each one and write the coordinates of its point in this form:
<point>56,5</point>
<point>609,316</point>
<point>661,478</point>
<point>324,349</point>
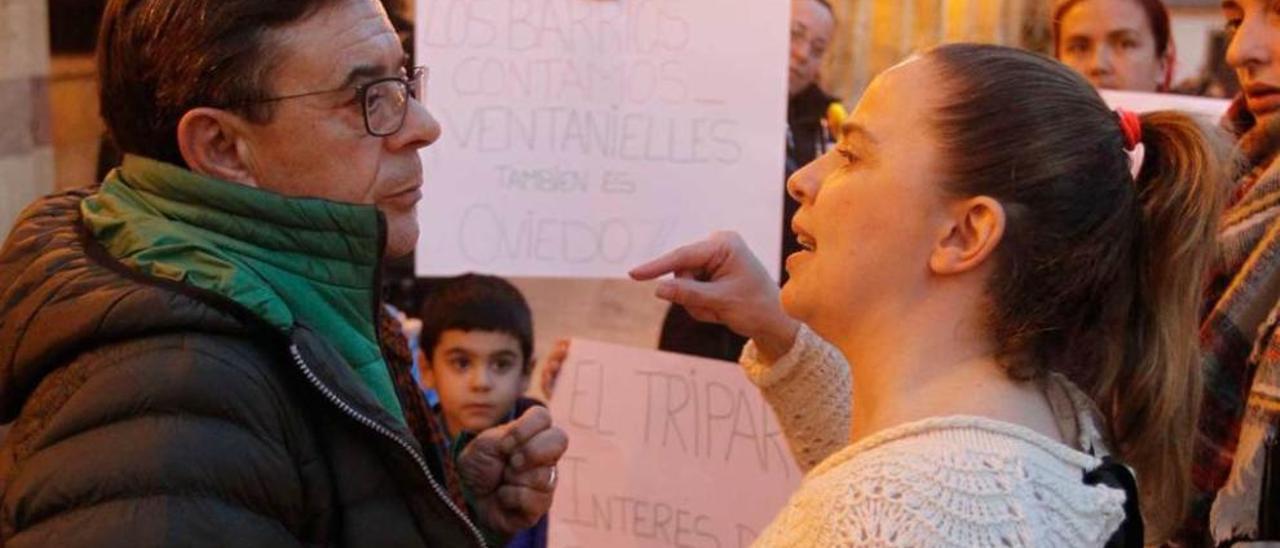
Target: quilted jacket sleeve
<point>175,440</point>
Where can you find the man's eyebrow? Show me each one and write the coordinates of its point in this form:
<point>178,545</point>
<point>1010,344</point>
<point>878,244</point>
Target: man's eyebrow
<point>371,71</point>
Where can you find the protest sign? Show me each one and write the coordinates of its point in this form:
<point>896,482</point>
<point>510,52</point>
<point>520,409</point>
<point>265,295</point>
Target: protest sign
<point>582,137</point>
<point>665,450</point>
<point>1205,108</point>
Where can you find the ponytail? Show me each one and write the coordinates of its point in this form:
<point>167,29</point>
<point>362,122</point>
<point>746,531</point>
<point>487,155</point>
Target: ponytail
<point>1152,396</point>
<point>1097,277</point>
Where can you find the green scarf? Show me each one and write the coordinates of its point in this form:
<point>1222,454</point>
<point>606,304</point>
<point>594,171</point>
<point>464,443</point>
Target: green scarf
<point>286,259</point>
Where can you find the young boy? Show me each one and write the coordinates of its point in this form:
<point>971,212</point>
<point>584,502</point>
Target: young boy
<point>477,353</point>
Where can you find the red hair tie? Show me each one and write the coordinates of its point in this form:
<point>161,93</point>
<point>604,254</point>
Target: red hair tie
<point>1131,126</point>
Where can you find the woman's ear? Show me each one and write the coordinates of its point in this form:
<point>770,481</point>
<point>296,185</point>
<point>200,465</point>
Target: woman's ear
<point>212,143</point>
<point>975,230</point>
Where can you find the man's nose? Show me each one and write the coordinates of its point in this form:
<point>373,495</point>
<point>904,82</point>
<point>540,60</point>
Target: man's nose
<point>799,52</point>
<point>420,128</point>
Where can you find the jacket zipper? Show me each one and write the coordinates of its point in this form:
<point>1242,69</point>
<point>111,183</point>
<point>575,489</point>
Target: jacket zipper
<point>377,314</point>
<point>373,425</point>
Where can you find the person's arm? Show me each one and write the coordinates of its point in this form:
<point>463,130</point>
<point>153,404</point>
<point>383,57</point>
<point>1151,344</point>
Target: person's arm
<point>166,442</point>
<point>809,389</point>
<point>719,280</point>
<point>804,378</point>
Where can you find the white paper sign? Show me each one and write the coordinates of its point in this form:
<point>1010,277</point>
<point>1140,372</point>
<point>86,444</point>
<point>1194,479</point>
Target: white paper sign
<point>664,450</point>
<point>582,137</point>
<point>1203,107</point>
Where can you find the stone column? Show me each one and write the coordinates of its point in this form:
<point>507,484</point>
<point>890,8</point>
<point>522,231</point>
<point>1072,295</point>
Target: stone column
<point>26,151</point>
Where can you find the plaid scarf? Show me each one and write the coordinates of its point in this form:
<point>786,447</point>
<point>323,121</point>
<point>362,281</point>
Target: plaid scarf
<point>422,422</point>
<point>1241,351</point>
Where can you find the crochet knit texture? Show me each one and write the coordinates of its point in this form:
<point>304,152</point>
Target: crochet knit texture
<point>944,481</point>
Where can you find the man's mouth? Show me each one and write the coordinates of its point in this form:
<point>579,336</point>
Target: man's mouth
<point>406,198</point>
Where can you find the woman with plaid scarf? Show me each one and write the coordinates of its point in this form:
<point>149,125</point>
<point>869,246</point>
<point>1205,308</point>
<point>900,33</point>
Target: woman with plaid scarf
<point>1237,466</point>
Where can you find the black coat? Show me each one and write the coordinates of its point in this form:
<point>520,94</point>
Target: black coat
<point>149,413</point>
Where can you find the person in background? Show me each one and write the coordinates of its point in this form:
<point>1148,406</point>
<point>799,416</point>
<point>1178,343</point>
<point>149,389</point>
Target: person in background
<point>476,350</point>
<point>813,24</point>
<point>1237,466</point>
<point>193,352</point>
<point>1116,44</point>
<point>999,347</point>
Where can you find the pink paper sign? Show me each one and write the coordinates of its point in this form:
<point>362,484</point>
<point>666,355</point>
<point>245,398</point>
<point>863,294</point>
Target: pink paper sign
<point>664,450</point>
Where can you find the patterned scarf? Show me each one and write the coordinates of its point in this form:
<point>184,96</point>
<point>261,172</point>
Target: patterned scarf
<point>1241,350</point>
<point>422,422</point>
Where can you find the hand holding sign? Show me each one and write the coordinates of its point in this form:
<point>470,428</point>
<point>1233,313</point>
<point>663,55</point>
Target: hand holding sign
<point>719,280</point>
<point>511,470</point>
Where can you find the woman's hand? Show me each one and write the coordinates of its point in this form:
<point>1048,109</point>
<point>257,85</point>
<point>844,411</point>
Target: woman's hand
<point>719,280</point>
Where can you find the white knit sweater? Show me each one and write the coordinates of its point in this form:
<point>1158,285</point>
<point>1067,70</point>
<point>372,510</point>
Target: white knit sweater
<point>947,481</point>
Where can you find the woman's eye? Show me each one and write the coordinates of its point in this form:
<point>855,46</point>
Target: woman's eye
<point>848,155</point>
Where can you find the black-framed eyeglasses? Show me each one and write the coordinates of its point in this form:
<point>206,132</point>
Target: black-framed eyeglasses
<point>383,102</point>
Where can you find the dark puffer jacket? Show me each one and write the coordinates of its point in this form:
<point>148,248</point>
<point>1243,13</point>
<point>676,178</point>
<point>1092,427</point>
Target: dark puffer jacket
<point>147,413</point>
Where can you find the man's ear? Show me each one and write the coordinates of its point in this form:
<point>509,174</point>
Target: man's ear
<point>976,226</point>
<point>212,143</point>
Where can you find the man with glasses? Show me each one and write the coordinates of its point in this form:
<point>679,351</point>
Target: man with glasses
<point>189,351</point>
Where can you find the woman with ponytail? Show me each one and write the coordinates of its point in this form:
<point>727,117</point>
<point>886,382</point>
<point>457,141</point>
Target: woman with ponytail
<point>991,330</point>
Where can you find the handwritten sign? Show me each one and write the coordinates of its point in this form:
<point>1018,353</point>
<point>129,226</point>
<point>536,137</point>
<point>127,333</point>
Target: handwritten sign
<point>582,137</point>
<point>1206,108</point>
<point>665,450</point>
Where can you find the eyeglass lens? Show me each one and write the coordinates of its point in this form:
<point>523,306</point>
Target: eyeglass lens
<point>386,103</point>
